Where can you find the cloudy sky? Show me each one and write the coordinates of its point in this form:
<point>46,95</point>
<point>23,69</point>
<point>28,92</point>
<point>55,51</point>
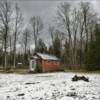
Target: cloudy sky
<point>46,9</point>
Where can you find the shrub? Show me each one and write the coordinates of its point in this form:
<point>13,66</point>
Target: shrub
<point>38,68</point>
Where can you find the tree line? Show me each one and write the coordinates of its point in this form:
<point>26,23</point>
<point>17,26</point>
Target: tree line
<point>74,35</point>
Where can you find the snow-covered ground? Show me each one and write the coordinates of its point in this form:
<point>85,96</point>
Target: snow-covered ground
<point>48,86</point>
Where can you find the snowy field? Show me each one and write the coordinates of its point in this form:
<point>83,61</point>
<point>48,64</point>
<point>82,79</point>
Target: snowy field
<point>49,86</point>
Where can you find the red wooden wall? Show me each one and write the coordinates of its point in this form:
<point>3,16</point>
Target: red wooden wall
<point>50,65</point>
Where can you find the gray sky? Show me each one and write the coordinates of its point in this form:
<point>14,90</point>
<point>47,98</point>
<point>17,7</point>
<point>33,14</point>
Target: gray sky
<point>46,9</point>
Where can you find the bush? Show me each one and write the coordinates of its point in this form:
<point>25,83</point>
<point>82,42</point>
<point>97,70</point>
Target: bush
<point>38,68</point>
<point>92,67</point>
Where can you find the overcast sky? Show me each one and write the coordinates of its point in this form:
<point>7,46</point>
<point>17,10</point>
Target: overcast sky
<point>46,9</point>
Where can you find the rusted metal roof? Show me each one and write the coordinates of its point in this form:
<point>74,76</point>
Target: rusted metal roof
<point>47,56</point>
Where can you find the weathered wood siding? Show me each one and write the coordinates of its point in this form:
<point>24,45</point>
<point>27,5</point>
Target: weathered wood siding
<point>50,65</point>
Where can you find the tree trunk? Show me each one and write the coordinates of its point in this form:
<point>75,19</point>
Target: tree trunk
<point>5,56</point>
<point>14,65</point>
<point>5,47</point>
<point>10,53</point>
<point>74,50</point>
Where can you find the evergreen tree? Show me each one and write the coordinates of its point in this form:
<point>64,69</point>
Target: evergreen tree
<point>93,54</point>
<point>57,46</point>
<point>50,50</point>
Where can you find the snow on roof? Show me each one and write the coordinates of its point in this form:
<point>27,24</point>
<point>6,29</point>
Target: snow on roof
<point>47,56</point>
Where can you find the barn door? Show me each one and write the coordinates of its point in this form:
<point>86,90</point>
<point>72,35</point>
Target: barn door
<point>32,65</point>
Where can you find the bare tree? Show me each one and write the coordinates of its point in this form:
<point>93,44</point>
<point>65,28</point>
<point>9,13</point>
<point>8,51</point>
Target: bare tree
<point>81,30</point>
<point>10,50</point>
<point>85,7</point>
<point>5,18</point>
<point>78,23</point>
<point>26,40</point>
<point>37,26</point>
<point>64,18</point>
<point>75,26</point>
<point>88,18</point>
<point>1,41</point>
<point>52,33</point>
<point>18,23</point>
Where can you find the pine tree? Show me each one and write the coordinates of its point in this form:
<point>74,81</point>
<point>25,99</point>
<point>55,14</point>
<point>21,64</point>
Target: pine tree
<point>93,54</point>
<point>57,46</point>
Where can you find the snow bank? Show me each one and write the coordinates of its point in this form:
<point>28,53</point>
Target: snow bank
<point>50,86</point>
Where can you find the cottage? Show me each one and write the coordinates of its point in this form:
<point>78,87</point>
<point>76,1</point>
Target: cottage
<point>44,63</point>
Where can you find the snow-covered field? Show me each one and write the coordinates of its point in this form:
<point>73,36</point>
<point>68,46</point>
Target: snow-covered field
<point>48,86</point>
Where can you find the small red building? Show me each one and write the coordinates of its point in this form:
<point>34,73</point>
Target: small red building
<point>44,63</point>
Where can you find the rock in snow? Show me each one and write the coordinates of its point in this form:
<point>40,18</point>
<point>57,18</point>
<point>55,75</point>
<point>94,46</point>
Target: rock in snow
<point>49,86</point>
<point>77,78</point>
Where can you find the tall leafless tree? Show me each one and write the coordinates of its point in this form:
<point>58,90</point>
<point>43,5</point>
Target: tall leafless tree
<point>26,40</point>
<point>5,18</point>
<point>64,13</point>
<point>18,23</point>
<point>37,26</point>
<point>75,26</point>
<point>81,30</point>
<point>77,22</point>
<point>88,18</point>
<point>52,33</point>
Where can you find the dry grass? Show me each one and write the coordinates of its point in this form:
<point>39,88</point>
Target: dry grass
<point>17,71</point>
<point>82,71</point>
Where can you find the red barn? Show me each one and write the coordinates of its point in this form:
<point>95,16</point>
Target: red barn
<point>44,62</point>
